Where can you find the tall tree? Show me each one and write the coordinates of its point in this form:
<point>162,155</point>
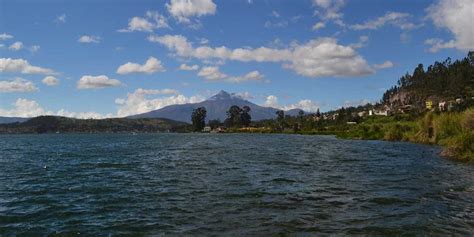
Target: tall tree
<point>198,117</point>
<point>245,117</point>
<point>280,119</point>
<point>233,116</point>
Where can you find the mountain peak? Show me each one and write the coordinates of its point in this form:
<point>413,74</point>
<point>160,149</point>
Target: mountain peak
<point>222,95</point>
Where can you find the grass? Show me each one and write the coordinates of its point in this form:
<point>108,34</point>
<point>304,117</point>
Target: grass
<point>453,131</point>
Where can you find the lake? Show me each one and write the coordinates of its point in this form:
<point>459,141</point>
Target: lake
<point>229,184</point>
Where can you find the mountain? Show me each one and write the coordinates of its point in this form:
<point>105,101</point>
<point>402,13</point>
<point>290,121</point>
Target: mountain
<point>216,107</point>
<point>4,120</point>
<point>53,124</point>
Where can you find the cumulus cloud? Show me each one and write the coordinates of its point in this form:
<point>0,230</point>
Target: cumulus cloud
<point>152,20</point>
<point>50,81</point>
<point>271,101</point>
<point>145,100</point>
<point>185,67</point>
<point>5,36</point>
<point>386,64</point>
<point>398,19</point>
<point>96,82</point>
<point>16,46</point>
<point>89,39</point>
<point>30,108</point>
<point>457,17</point>
<point>306,105</point>
<point>24,108</point>
<point>21,66</point>
<point>183,10</point>
<point>17,85</point>
<point>315,58</point>
<point>212,73</point>
<point>152,65</point>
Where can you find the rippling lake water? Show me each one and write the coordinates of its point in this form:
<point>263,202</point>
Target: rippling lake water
<point>230,184</point>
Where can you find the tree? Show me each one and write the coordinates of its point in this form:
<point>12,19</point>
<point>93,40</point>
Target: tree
<point>280,119</point>
<point>318,114</point>
<point>245,117</point>
<point>233,116</point>
<point>198,117</point>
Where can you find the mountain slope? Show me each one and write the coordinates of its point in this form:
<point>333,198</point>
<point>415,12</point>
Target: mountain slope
<point>216,107</point>
<point>4,120</point>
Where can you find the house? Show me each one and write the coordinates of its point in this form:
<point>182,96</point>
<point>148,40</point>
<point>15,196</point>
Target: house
<point>207,129</point>
<point>361,114</point>
<point>442,106</point>
<point>383,112</point>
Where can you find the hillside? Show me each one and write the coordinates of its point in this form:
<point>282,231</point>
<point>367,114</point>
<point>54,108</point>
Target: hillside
<point>53,124</point>
<point>442,81</point>
<point>4,120</point>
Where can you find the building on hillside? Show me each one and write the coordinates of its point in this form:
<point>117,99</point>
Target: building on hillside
<point>382,112</point>
<point>442,106</point>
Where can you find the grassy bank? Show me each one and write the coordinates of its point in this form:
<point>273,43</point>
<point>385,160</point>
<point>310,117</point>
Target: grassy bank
<point>453,131</point>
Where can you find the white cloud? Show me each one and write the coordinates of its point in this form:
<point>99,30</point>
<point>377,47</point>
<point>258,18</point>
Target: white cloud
<point>82,115</point>
<point>318,26</point>
<point>456,16</point>
<point>96,82</point>
<point>306,105</point>
<point>386,64</point>
<point>21,66</point>
<point>271,101</point>
<point>89,39</point>
<point>16,46</point>
<point>183,10</point>
<point>152,20</point>
<point>277,24</point>
<point>24,108</point>
<point>30,108</point>
<point>355,103</point>
<point>185,67</point>
<point>398,19</point>
<point>17,85</point>
<point>212,73</point>
<point>140,102</point>
<point>50,81</point>
<point>316,58</point>
<point>245,95</point>
<point>152,65</point>
<point>60,19</point>
<point>330,10</point>
<point>5,36</point>
<point>34,48</point>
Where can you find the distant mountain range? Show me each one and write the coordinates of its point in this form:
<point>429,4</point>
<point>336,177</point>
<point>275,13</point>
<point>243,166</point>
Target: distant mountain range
<point>4,120</point>
<point>216,107</point>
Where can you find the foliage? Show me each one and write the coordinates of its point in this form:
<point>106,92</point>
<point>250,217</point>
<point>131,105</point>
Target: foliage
<point>198,118</point>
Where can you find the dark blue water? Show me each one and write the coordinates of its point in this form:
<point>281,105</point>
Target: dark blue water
<point>229,184</point>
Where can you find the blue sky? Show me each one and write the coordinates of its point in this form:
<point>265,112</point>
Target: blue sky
<point>117,58</point>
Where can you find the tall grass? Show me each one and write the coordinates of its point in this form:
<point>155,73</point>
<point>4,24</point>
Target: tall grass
<point>453,131</point>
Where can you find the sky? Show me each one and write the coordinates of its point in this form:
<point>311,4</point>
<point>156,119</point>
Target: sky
<point>114,58</point>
